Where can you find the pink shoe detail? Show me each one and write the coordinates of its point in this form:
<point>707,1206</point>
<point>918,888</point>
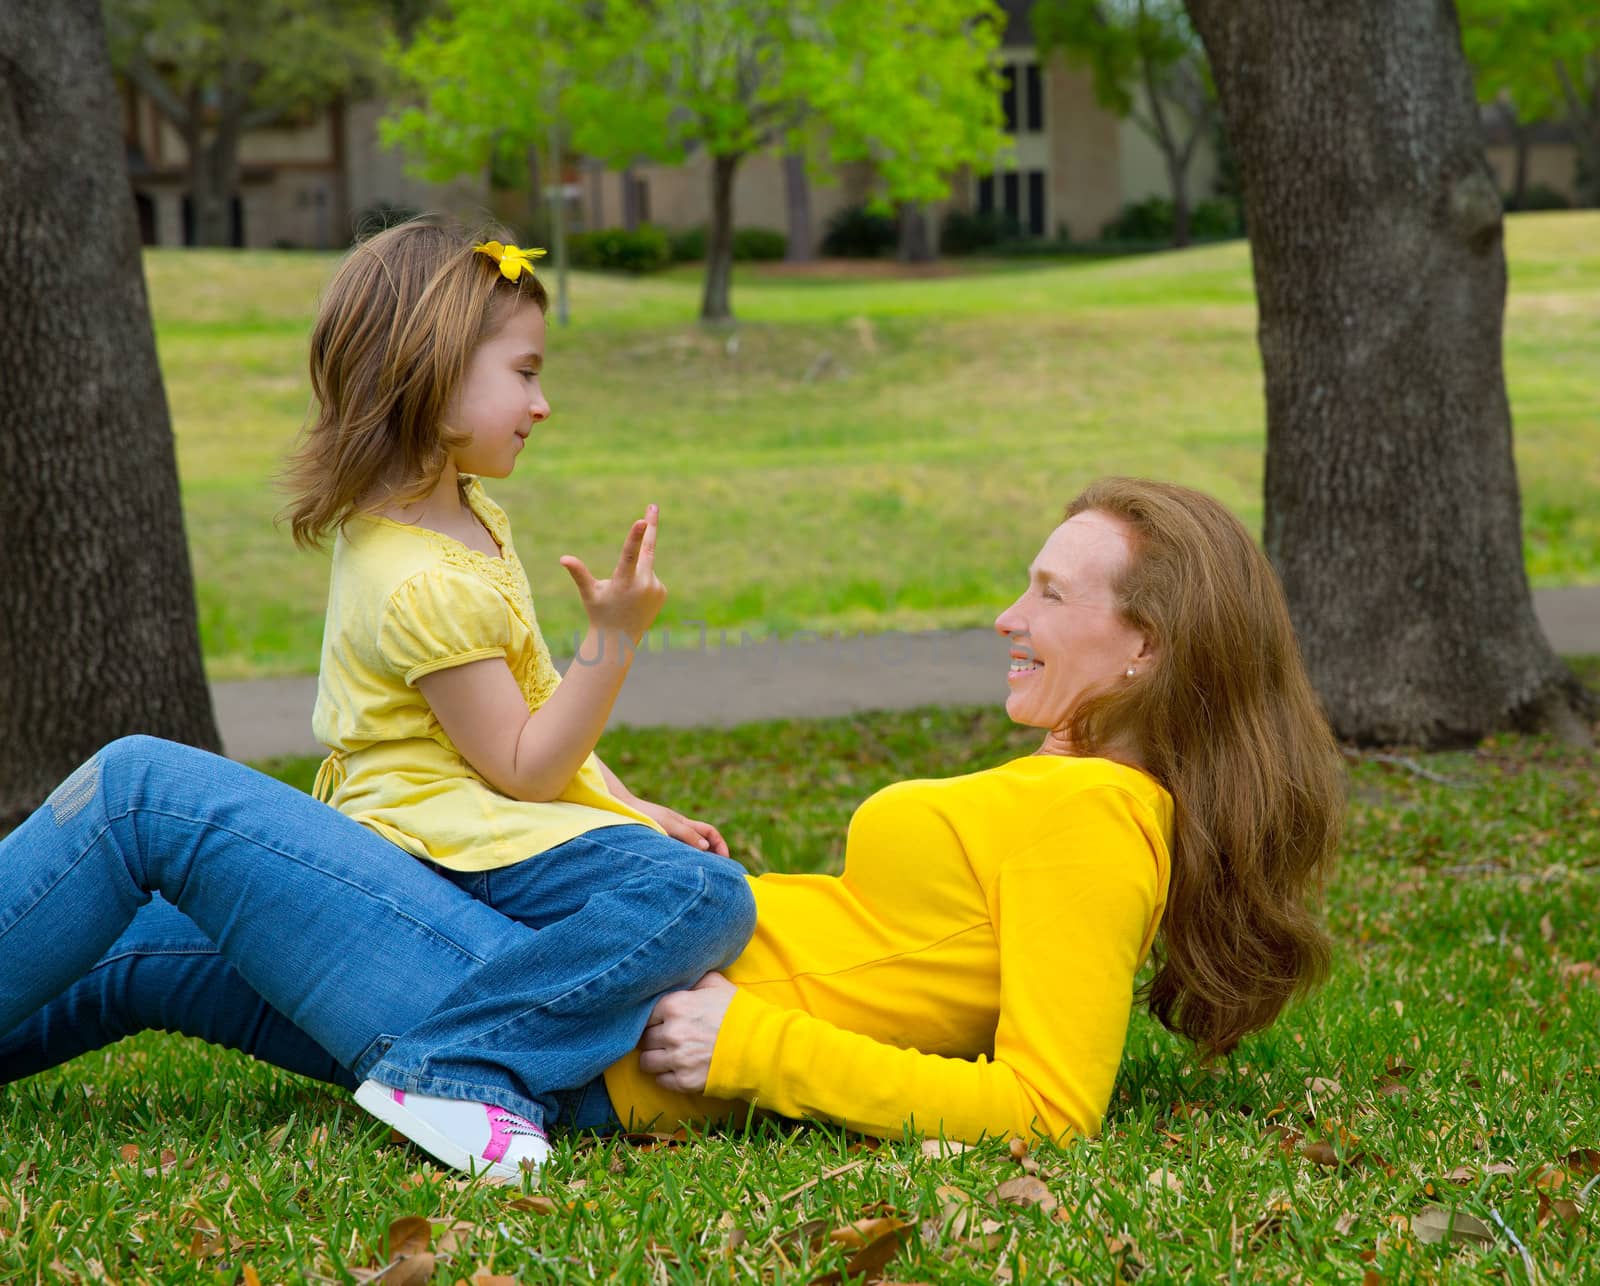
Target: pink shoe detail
<point>399,1096</point>
<point>503,1126</point>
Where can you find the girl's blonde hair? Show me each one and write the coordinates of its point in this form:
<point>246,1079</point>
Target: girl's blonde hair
<point>1227,721</point>
<point>396,328</point>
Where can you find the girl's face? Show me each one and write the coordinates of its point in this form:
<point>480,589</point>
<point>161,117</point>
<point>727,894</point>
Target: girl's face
<point>1067,636</point>
<point>500,400</point>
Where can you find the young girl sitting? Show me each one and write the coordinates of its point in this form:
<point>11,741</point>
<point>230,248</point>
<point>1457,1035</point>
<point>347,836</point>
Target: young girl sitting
<point>451,733</point>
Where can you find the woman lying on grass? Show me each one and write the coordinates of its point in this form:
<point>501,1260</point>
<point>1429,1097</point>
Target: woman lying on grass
<point>970,973</point>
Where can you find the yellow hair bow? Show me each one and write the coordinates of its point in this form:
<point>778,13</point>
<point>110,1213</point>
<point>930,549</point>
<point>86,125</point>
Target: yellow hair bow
<point>513,260</point>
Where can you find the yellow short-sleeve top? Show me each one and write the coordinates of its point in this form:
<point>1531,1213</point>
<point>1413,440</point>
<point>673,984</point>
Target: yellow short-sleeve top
<point>403,602</point>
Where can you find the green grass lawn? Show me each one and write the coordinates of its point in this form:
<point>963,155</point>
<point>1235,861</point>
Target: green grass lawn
<point>860,454</point>
<point>1450,1064</point>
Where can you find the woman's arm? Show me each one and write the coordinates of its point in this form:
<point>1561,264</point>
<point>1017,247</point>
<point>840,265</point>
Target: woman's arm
<point>1072,930</point>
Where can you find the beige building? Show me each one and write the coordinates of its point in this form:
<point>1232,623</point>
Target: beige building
<point>301,183</point>
<point>1552,156</point>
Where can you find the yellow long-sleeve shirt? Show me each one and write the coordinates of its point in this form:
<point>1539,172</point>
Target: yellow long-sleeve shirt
<point>970,973</point>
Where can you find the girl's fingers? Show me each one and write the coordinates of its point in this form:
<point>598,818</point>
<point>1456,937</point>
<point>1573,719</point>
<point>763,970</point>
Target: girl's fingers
<point>580,576</point>
<point>630,548</point>
<point>647,548</point>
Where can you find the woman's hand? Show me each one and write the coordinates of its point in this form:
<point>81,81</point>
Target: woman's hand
<point>696,834</point>
<point>682,1033</point>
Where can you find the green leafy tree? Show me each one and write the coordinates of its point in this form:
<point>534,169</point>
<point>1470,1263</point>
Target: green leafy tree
<point>486,82</point>
<point>909,85</point>
<point>1540,60</point>
<point>1149,67</point>
<point>219,68</point>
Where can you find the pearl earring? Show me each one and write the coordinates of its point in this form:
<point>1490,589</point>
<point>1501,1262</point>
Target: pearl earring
<point>1131,672</point>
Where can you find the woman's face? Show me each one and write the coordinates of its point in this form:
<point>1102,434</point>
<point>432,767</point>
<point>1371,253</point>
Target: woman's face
<point>1067,636</point>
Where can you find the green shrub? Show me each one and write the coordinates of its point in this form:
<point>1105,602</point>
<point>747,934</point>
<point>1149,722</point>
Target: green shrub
<point>688,246</point>
<point>964,233</point>
<point>1539,196</point>
<point>857,233</point>
<point>1151,220</point>
<point>1216,218</point>
<point>645,249</point>
<point>758,244</point>
<point>1147,220</point>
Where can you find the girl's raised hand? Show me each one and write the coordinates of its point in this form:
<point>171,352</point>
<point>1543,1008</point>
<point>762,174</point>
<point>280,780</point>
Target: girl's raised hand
<point>630,597</point>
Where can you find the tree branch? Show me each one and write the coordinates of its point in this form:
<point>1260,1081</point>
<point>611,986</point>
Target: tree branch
<point>150,83</point>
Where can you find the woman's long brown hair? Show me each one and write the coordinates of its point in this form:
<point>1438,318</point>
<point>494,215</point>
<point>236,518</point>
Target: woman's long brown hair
<point>1225,719</point>
<point>397,326</point>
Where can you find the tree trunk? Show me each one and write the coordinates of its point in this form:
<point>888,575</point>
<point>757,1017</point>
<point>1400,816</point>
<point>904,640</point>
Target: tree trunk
<point>714,304</point>
<point>597,192</point>
<point>1521,144</point>
<point>913,246</point>
<point>539,222</point>
<point>801,246</point>
<point>214,174</point>
<point>96,599</point>
<point>630,199</point>
<point>1582,94</point>
<point>1178,179</point>
<point>1392,512</point>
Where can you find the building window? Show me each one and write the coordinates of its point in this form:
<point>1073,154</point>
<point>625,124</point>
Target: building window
<point>1022,98</point>
<point>1018,195</point>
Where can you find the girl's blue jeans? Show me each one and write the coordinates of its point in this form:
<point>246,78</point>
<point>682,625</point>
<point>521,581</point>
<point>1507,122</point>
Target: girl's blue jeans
<point>284,929</point>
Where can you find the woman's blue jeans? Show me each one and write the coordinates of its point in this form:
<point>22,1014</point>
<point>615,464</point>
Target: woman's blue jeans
<point>286,930</point>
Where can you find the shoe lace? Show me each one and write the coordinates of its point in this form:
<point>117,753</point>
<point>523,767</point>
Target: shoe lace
<point>511,1123</point>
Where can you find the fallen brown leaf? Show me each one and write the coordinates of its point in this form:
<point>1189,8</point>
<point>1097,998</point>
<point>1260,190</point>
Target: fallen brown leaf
<point>1436,1225</point>
<point>539,1205</point>
<point>874,1243</point>
<point>1026,1190</point>
<point>410,1270</point>
<point>1563,1208</point>
<point>1584,1161</point>
<point>408,1235</point>
<point>1163,1180</point>
<point>1320,1152</point>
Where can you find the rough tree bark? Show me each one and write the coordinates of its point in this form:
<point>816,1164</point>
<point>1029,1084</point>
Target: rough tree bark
<point>97,620</point>
<point>1392,511</point>
<point>914,244</point>
<point>797,205</point>
<point>714,303</point>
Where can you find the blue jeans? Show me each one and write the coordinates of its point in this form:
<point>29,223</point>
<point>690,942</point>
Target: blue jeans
<point>289,931</point>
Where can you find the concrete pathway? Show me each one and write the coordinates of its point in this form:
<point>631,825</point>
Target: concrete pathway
<point>694,687</point>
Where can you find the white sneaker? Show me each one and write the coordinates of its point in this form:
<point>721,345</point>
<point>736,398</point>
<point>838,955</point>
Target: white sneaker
<point>479,1138</point>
